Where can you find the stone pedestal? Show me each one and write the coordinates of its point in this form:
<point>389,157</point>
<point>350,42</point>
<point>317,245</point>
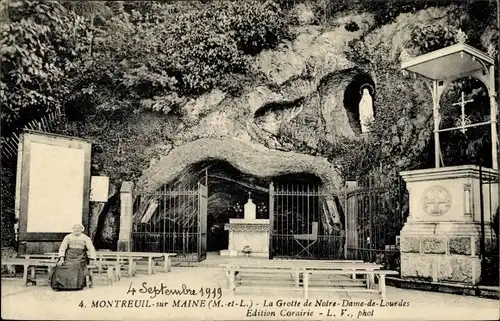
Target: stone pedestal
<point>440,240</point>
<point>126,215</point>
<point>248,232</point>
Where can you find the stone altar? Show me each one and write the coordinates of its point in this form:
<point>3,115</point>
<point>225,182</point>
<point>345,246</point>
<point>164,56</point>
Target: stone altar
<point>248,232</point>
<point>441,239</point>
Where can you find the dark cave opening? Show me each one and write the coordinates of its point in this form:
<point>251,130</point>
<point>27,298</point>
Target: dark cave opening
<point>228,192</point>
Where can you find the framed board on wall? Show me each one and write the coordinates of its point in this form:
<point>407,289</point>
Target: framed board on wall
<point>53,186</point>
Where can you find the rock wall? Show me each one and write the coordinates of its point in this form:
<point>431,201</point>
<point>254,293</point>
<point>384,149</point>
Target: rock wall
<point>247,158</point>
<point>301,98</point>
<point>303,83</point>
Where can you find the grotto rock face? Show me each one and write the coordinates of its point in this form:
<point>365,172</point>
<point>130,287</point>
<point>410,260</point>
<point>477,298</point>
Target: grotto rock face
<point>300,101</point>
<point>196,107</point>
<point>298,89</point>
<point>245,157</point>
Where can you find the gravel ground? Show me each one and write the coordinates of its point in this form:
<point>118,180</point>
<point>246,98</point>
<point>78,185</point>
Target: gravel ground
<point>40,302</point>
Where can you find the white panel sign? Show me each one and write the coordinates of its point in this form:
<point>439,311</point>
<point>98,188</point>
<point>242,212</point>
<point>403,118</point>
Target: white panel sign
<point>99,189</point>
<point>56,183</point>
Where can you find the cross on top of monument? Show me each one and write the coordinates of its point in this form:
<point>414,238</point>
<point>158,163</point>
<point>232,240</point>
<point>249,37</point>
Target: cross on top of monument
<point>461,37</point>
<point>463,121</point>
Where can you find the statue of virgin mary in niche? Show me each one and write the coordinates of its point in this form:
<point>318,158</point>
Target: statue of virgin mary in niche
<point>366,115</point>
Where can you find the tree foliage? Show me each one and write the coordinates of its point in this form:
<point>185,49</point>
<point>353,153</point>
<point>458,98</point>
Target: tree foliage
<point>41,50</point>
<point>7,217</point>
<point>155,56</point>
<point>128,56</point>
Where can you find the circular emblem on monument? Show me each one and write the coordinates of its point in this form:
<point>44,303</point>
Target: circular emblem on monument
<point>436,201</point>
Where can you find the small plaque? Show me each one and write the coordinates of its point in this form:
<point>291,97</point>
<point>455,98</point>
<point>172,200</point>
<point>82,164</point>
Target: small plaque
<point>99,189</point>
<point>436,201</point>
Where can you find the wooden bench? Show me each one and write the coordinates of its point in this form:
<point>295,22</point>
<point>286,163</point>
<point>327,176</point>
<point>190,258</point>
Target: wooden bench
<point>355,266</point>
<point>51,256</point>
<point>111,261</point>
<point>297,265</point>
<point>122,260</point>
<point>233,271</point>
<point>167,259</point>
<point>370,273</point>
<point>305,269</point>
<point>42,257</point>
<point>133,257</point>
<point>112,268</point>
<point>29,265</point>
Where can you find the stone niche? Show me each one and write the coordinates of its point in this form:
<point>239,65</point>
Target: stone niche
<point>441,239</point>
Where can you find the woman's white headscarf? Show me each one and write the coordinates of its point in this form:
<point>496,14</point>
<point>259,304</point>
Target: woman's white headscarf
<point>80,226</point>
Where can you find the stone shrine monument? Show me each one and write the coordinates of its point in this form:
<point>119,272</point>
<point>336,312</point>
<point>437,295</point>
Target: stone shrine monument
<point>441,241</point>
<point>248,236</point>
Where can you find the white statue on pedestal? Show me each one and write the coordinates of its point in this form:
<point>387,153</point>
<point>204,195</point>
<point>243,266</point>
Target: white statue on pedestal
<point>250,209</point>
<point>365,108</point>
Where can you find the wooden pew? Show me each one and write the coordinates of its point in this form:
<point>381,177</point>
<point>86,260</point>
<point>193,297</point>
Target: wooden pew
<point>110,263</point>
<point>167,259</point>
<point>370,273</point>
<point>132,257</point>
<point>233,270</point>
<point>42,257</point>
<point>52,256</point>
<point>309,264</point>
<point>121,259</point>
<point>29,265</point>
<point>112,268</point>
<point>305,269</point>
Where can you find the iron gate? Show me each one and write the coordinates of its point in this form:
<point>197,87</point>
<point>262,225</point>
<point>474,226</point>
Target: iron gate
<point>489,227</point>
<point>300,227</point>
<point>202,221</point>
<point>375,215</point>
<point>172,221</point>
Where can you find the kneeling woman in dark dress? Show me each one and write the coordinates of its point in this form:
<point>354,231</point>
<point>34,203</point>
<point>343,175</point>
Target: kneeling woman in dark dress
<point>71,269</point>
